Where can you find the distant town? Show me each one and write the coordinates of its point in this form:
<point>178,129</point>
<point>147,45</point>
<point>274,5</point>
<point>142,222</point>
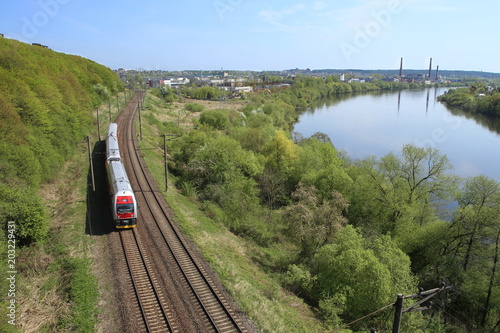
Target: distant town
<point>246,81</point>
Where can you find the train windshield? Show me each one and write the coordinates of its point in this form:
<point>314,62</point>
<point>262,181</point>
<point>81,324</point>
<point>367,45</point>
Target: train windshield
<point>124,208</point>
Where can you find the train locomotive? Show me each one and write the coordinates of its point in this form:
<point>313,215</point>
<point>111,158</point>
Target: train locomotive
<point>122,196</point>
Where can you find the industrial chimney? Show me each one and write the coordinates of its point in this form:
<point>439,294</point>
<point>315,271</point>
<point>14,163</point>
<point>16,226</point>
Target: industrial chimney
<point>430,68</point>
<point>401,69</point>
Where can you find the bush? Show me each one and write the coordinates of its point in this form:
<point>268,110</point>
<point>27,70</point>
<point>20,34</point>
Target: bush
<point>217,119</point>
<point>24,207</point>
<point>194,107</point>
<point>299,280</point>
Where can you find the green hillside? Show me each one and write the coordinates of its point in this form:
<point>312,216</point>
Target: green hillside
<point>45,110</point>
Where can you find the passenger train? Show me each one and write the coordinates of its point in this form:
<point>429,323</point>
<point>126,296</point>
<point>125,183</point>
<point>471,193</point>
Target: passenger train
<point>122,196</point>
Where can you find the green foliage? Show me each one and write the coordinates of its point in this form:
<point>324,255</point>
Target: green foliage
<point>348,268</point>
<point>331,309</point>
<point>217,119</point>
<point>313,223</point>
<point>372,227</point>
<point>194,107</point>
<point>23,206</point>
<point>473,249</point>
<point>85,295</point>
<point>206,93</point>
<point>219,161</point>
<point>167,94</point>
<point>321,166</point>
<point>282,153</point>
<point>299,279</point>
<point>474,100</point>
<point>45,110</point>
<point>355,277</point>
<point>399,192</point>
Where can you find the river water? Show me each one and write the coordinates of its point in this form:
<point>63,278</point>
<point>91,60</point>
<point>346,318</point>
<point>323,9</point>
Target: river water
<point>382,122</point>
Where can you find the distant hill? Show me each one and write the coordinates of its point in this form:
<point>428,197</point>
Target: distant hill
<point>395,72</point>
<point>46,108</point>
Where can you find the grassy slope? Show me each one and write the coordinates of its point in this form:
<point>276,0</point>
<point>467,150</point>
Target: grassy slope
<point>55,288</point>
<point>57,279</point>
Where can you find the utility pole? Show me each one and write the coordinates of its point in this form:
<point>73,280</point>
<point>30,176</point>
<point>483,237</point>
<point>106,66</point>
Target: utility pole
<point>91,164</point>
<point>117,102</point>
<point>165,160</point>
<point>98,125</point>
<point>140,119</point>
<point>398,312</point>
<point>109,107</point>
<point>425,296</point>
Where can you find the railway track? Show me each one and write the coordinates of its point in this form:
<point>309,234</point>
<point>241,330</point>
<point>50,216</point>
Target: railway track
<point>153,314</point>
<point>201,297</point>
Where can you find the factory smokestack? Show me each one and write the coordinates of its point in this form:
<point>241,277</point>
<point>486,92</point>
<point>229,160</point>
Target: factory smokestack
<point>430,68</point>
<point>437,70</point>
<point>401,68</point>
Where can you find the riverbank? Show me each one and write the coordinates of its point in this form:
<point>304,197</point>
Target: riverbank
<point>482,100</point>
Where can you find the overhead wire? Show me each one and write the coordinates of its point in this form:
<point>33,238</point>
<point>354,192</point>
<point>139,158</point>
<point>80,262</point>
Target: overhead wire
<point>455,318</point>
<point>364,317</point>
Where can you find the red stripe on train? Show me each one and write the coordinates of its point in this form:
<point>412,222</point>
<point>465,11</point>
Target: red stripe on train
<point>124,199</point>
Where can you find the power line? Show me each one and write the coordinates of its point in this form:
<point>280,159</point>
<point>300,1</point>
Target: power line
<point>364,317</point>
<point>455,318</point>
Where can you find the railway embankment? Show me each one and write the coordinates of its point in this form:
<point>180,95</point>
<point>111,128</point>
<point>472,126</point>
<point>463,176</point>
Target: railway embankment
<point>48,107</point>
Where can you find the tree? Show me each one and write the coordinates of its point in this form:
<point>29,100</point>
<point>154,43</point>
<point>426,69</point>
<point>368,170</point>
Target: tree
<point>359,275</point>
<point>425,171</point>
<point>219,160</point>
<point>473,247</point>
<point>477,202</point>
<point>282,152</point>
<point>400,191</point>
<point>276,182</point>
<point>312,222</point>
<point>218,119</point>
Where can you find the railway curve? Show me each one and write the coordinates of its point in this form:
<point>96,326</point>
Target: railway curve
<point>190,298</point>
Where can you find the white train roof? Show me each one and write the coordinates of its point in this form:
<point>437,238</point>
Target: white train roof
<point>119,177</point>
<point>112,150</point>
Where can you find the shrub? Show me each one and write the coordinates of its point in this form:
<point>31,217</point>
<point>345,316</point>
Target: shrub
<point>194,107</point>
<point>217,119</point>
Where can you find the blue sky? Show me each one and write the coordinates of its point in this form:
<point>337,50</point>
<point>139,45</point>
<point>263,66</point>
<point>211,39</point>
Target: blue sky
<point>263,35</point>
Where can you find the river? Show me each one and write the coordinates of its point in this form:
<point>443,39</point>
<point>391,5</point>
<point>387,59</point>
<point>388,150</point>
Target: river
<point>382,122</point>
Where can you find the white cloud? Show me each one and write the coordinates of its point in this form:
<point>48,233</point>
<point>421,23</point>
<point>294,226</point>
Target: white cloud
<point>296,19</point>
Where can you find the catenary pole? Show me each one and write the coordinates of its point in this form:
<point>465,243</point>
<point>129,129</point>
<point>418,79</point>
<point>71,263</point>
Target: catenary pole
<point>98,125</point>
<point>398,312</point>
<point>165,160</point>
<point>91,164</point>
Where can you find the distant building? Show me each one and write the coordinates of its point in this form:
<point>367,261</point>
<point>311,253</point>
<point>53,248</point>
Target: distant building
<point>241,90</point>
<point>357,80</point>
<point>1,35</point>
<point>175,82</point>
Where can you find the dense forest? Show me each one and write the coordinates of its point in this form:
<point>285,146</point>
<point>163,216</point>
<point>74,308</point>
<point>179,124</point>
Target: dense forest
<point>352,234</point>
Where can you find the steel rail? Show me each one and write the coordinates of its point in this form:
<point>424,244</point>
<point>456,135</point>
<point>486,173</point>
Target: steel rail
<point>149,187</point>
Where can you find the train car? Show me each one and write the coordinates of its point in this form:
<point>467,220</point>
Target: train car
<point>124,205</point>
<point>112,150</point>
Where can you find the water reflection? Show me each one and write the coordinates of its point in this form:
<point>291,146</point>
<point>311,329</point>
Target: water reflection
<point>490,123</point>
<point>381,122</point>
